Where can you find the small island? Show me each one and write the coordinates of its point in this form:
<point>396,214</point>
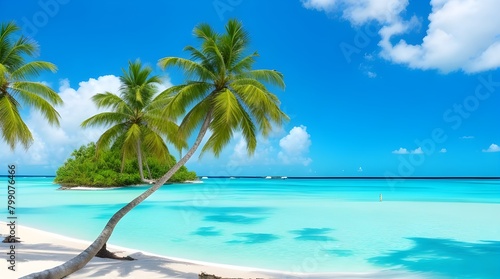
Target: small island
<point>108,170</point>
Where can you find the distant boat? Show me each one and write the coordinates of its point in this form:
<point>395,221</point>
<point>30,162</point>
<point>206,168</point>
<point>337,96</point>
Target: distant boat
<point>232,177</point>
<point>268,177</point>
<point>204,177</point>
<point>284,177</point>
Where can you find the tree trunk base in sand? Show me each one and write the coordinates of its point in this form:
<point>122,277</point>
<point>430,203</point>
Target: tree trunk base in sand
<point>203,275</point>
<point>10,239</point>
<point>104,253</point>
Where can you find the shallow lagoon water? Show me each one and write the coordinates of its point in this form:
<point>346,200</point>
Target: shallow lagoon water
<point>433,228</point>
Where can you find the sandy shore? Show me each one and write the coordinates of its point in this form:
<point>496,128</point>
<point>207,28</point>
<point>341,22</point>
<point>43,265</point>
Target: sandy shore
<point>41,250</point>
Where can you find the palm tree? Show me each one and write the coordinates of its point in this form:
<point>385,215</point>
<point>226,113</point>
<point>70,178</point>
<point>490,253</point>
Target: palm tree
<point>135,118</point>
<point>224,95</point>
<point>16,89</point>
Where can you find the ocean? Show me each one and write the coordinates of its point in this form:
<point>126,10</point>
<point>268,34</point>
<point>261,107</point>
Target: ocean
<point>437,228</point>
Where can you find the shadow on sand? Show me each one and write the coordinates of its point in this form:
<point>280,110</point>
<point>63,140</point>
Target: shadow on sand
<point>446,258</point>
<point>102,268</point>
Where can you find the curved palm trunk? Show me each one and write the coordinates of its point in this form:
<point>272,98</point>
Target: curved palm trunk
<point>141,167</point>
<point>149,171</point>
<point>84,257</point>
<point>139,160</point>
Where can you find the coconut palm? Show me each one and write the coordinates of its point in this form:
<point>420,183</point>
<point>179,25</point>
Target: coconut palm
<point>135,118</point>
<point>16,88</point>
<point>223,94</point>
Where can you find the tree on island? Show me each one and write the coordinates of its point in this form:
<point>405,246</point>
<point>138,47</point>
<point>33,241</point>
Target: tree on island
<point>16,89</point>
<point>83,168</point>
<point>136,118</point>
<point>223,94</point>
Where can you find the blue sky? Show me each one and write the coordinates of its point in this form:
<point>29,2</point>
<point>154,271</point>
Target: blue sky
<point>374,88</point>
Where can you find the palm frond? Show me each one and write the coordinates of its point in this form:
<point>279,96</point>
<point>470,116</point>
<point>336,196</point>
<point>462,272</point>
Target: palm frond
<point>14,72</point>
<point>112,101</point>
<point>37,102</point>
<point>37,88</point>
<point>194,118</point>
<point>269,76</point>
<point>179,97</point>
<point>13,128</point>
<point>138,85</point>
<point>191,68</point>
<point>155,144</point>
<point>244,64</point>
<point>109,136</point>
<point>248,130</point>
<point>13,55</point>
<point>233,42</point>
<point>32,68</point>
<point>226,118</point>
<point>105,118</point>
<point>132,136</point>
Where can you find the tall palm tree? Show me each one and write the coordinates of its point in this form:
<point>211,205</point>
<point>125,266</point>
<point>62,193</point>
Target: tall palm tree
<point>223,94</point>
<point>16,89</point>
<point>135,118</point>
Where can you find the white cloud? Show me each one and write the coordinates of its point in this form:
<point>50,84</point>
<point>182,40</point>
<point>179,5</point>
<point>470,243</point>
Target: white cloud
<point>493,148</point>
<point>320,5</point>
<point>295,147</point>
<point>461,35</point>
<point>401,150</point>
<point>371,74</point>
<point>361,11</point>
<point>53,145</point>
<point>262,155</point>
<point>467,137</point>
<point>418,151</point>
<point>443,150</point>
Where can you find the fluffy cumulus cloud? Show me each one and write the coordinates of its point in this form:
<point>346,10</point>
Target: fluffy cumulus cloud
<point>461,35</point>
<point>292,149</point>
<point>443,150</point>
<point>418,151</point>
<point>493,148</point>
<point>282,153</point>
<point>53,145</point>
<point>403,151</point>
<point>321,5</point>
<point>360,12</point>
<point>261,156</point>
<point>295,147</point>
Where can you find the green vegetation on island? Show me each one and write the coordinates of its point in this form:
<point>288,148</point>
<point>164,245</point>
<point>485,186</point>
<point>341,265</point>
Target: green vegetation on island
<point>84,168</point>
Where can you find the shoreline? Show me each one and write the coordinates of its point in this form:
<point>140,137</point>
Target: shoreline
<point>40,250</point>
<point>97,188</point>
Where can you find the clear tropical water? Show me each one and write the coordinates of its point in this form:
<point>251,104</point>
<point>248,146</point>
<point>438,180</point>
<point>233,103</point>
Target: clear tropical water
<point>437,228</point>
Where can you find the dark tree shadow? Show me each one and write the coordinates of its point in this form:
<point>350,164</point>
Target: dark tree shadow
<point>446,257</point>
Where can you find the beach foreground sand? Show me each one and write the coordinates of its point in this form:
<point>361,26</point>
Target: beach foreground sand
<point>40,250</point>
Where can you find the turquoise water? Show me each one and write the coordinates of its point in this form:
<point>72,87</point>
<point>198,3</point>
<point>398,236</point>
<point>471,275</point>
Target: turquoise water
<point>433,228</point>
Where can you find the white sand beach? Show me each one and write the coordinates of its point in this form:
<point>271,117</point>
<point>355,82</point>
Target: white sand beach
<point>40,250</point>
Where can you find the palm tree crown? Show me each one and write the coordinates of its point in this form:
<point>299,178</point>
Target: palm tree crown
<point>135,118</point>
<point>229,93</point>
<point>17,89</point>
